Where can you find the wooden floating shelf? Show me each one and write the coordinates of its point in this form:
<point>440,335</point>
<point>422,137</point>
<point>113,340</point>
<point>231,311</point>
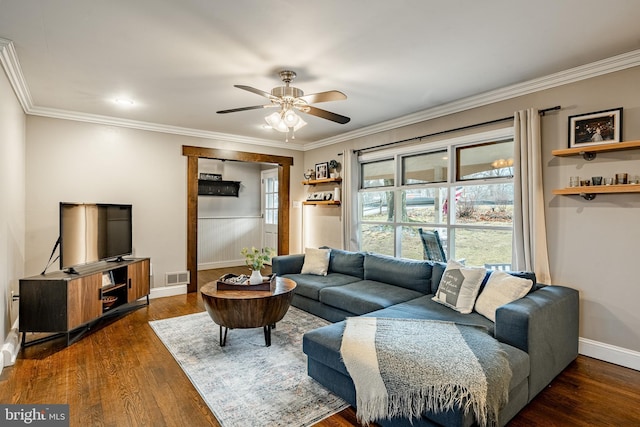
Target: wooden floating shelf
<point>321,181</point>
<point>589,152</point>
<point>589,192</point>
<point>321,202</point>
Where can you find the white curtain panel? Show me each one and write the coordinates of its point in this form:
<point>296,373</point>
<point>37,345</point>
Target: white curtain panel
<point>529,226</point>
<point>350,183</point>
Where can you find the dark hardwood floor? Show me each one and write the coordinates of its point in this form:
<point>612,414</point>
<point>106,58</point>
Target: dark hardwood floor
<point>120,374</point>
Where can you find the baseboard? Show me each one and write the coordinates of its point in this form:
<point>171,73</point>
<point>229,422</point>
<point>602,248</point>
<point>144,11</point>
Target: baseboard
<point>220,264</point>
<point>609,353</point>
<point>11,347</point>
<point>168,291</point>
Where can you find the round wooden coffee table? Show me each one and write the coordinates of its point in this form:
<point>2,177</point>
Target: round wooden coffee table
<point>248,309</point>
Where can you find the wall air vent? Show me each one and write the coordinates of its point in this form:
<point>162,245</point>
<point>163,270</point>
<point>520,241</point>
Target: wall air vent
<point>178,278</point>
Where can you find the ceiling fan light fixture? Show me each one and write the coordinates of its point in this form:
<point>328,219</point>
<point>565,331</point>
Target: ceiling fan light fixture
<point>275,121</point>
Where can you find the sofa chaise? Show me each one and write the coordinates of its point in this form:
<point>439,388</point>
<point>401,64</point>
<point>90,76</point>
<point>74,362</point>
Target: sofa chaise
<point>538,332</point>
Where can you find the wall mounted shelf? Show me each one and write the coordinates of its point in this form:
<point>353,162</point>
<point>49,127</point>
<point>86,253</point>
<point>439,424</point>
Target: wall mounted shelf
<point>589,152</point>
<point>322,181</point>
<point>589,193</point>
<point>321,202</point>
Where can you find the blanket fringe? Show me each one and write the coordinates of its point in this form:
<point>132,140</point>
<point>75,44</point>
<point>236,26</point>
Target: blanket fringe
<point>435,399</point>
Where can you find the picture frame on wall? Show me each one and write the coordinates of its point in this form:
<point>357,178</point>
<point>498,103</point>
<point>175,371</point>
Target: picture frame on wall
<point>322,170</point>
<point>600,127</point>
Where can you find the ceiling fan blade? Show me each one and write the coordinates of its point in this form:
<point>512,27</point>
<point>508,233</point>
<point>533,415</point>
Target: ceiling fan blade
<point>326,114</point>
<point>257,92</point>
<point>234,110</point>
<point>330,95</point>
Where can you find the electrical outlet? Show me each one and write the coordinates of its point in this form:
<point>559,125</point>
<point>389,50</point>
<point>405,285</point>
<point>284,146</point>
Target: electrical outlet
<point>297,204</point>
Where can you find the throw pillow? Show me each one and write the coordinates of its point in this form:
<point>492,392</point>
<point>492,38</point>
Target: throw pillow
<point>501,288</point>
<point>459,286</point>
<point>316,261</point>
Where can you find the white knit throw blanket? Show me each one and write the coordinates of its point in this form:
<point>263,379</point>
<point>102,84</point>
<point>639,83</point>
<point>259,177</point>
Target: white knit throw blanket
<point>404,367</point>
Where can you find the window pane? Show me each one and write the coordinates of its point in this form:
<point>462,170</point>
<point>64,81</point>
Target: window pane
<point>483,161</point>
<point>377,206</point>
<point>425,168</point>
<point>377,238</point>
<point>424,205</point>
<point>378,174</point>
<point>478,247</point>
<point>411,242</point>
<point>490,204</point>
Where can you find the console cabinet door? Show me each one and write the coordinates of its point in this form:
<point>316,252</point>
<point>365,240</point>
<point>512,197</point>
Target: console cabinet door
<point>83,300</point>
<point>138,280</point>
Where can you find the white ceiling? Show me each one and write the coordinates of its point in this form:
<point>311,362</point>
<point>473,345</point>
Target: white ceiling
<point>178,60</point>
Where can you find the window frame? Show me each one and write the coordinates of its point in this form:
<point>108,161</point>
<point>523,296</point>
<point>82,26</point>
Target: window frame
<point>399,188</point>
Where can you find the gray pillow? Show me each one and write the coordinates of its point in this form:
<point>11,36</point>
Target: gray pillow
<point>459,287</point>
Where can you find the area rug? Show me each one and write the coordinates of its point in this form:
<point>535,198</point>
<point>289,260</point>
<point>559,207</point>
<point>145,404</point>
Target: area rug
<point>246,383</point>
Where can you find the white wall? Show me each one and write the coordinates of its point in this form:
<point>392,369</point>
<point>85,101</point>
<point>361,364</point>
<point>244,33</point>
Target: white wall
<point>83,162</point>
<point>12,208</point>
<point>593,245</point>
<point>227,224</point>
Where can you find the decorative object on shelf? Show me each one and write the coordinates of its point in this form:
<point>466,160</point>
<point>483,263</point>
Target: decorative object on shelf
<point>320,195</point>
<point>600,127</point>
<point>211,176</point>
<point>309,174</point>
<point>107,279</point>
<point>255,259</point>
<point>322,170</point>
<point>621,178</point>
<point>108,301</point>
<point>333,168</point>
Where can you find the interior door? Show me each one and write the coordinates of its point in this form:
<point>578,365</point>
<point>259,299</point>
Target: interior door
<point>270,208</point>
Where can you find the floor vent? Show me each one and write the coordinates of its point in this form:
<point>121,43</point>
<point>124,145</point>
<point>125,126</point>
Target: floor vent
<point>179,278</point>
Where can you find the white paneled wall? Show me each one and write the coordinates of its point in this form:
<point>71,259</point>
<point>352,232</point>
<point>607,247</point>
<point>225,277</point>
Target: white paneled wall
<point>220,240</point>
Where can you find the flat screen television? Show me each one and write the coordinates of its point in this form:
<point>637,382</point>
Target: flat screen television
<point>92,232</point>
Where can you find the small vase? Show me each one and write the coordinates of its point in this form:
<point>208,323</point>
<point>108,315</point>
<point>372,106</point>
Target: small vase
<point>256,277</point>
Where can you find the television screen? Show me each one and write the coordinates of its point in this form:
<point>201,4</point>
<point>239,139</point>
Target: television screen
<point>94,232</point>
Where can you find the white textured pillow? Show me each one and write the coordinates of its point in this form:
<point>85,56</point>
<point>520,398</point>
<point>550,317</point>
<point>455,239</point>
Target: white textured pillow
<point>501,289</point>
<point>459,286</point>
<point>316,261</point>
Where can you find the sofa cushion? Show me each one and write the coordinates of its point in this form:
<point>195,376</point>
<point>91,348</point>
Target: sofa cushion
<point>309,285</point>
<point>351,263</point>
<point>425,308</point>
<point>316,261</point>
<point>459,286</point>
<point>365,296</point>
<point>410,274</point>
<point>501,289</point>
<point>323,344</point>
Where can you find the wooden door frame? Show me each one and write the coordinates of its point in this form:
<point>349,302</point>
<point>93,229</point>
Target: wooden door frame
<point>284,175</point>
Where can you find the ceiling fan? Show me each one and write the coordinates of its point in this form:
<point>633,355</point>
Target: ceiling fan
<point>289,99</point>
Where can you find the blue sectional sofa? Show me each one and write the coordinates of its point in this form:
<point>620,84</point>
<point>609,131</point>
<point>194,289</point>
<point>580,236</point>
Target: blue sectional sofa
<point>539,332</point>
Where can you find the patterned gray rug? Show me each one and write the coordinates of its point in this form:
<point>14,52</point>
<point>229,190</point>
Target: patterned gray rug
<point>245,383</point>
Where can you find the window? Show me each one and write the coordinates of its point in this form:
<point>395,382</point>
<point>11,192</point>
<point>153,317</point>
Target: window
<point>424,168</point>
<point>462,188</point>
<point>378,174</point>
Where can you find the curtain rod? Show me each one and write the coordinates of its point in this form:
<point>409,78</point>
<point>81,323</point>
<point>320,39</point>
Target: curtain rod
<point>490,122</point>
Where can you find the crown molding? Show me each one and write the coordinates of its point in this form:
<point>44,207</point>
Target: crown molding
<point>155,127</point>
<point>583,72</point>
<point>10,62</point>
<point>11,66</point>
